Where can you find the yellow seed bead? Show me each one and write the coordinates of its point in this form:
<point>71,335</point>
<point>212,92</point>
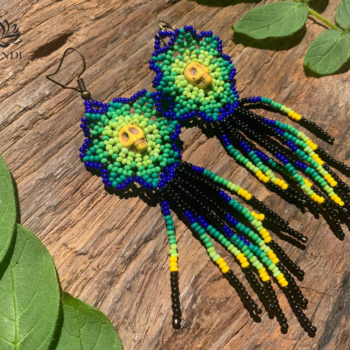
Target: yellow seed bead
<point>174,269</point>
<point>334,196</point>
<point>307,182</point>
<point>334,183</point>
<point>341,203</point>
<point>337,200</point>
<point>280,276</point>
<point>298,117</point>
<point>239,192</point>
<point>244,193</point>
<point>282,281</point>
<point>262,270</point>
<point>261,217</point>
<point>173,258</point>
<point>266,179</point>
<point>275,261</point>
<point>258,173</point>
<point>321,200</point>
<point>277,181</point>
<point>266,278</point>
<point>225,269</point>
<point>173,264</point>
<point>284,187</point>
<point>240,256</point>
<point>219,261</point>
<point>245,264</point>
<point>268,239</point>
<point>222,265</point>
<point>290,114</point>
<point>248,197</point>
<point>285,284</point>
<point>261,177</point>
<point>327,176</point>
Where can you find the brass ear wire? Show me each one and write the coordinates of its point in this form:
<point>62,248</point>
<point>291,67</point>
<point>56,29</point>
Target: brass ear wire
<point>163,25</point>
<point>85,95</point>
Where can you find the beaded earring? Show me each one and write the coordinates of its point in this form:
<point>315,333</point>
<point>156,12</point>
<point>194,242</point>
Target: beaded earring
<point>128,141</point>
<point>197,79</point>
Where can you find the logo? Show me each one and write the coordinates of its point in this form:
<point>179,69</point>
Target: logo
<point>9,34</point>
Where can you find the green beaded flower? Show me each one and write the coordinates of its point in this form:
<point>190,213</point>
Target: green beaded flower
<point>128,140</point>
<point>194,72</point>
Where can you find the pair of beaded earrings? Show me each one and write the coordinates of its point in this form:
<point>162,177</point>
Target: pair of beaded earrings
<point>135,140</point>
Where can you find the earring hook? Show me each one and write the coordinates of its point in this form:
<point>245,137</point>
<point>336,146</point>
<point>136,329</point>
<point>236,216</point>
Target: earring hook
<point>81,85</point>
<point>163,25</point>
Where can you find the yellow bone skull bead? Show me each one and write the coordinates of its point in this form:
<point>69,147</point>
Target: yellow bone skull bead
<point>132,137</point>
<point>198,75</point>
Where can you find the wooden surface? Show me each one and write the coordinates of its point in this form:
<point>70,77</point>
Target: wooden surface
<point>112,252</point>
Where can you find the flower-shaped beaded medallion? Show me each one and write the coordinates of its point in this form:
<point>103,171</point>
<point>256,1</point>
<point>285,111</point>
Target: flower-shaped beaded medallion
<point>129,141</point>
<point>192,69</point>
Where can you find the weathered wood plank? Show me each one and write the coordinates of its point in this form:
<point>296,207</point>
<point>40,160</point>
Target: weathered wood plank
<point>112,252</point>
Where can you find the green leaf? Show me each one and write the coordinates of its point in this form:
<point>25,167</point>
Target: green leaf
<point>86,328</point>
<point>278,19</point>
<point>8,210</point>
<point>328,52</point>
<point>29,296</point>
<point>342,15</point>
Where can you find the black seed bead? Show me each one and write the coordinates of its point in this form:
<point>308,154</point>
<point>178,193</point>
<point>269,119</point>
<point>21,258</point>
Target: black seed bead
<point>293,287</point>
<point>333,162</point>
<point>247,300</point>
<point>262,208</point>
<point>303,320</point>
<point>292,267</point>
<point>341,183</point>
<point>177,322</point>
<point>258,288</point>
<point>175,298</point>
<point>317,130</point>
<point>281,319</point>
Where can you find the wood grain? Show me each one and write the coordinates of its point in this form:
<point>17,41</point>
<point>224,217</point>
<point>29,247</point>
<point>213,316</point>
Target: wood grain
<point>112,252</point>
